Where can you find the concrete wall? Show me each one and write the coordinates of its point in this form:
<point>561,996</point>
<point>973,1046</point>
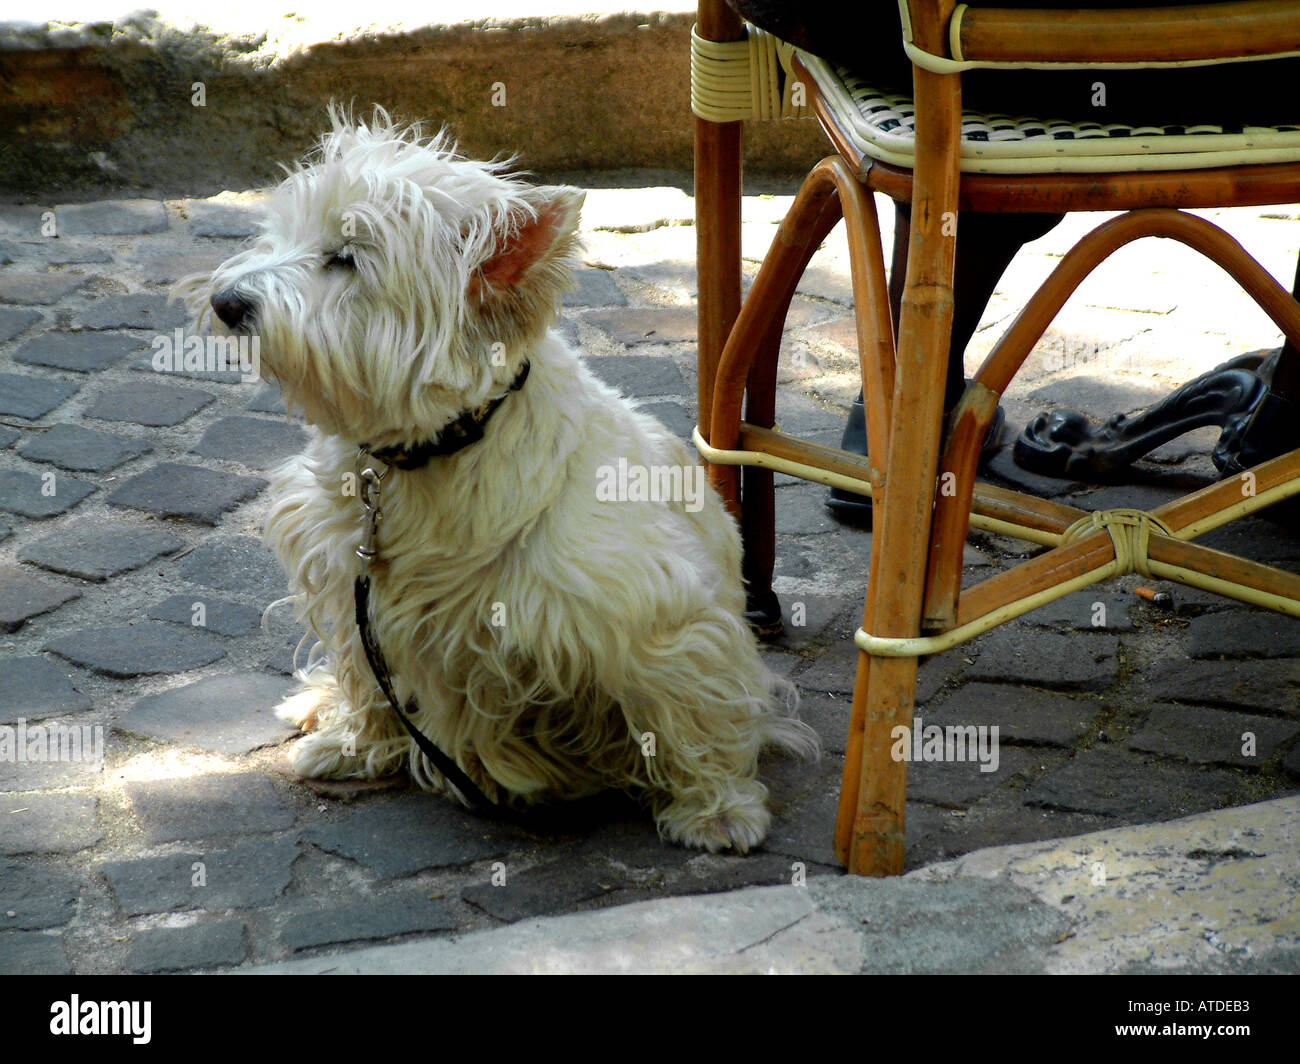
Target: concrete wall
<point>98,107</point>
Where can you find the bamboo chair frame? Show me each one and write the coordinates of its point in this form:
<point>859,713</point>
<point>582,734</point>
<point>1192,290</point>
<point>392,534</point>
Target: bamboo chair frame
<point>915,604</point>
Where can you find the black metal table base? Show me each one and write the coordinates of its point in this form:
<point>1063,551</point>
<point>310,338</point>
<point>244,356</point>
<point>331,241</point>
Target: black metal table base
<point>1257,424</point>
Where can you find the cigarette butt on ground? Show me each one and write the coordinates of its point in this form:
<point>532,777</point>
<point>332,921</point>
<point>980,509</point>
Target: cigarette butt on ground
<point>1159,598</point>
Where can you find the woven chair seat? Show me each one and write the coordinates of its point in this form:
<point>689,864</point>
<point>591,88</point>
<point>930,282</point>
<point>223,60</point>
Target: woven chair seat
<point>882,125</point>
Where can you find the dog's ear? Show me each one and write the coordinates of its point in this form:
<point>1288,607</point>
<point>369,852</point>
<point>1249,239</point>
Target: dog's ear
<point>534,241</point>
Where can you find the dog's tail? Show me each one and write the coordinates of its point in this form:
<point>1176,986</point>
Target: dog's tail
<point>784,728</point>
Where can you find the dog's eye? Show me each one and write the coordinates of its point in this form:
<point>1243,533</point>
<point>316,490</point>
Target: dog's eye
<point>341,259</point>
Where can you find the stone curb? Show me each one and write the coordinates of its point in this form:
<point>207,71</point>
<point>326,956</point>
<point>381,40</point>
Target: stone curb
<point>1208,894</point>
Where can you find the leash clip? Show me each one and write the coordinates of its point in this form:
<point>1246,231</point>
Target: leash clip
<point>370,482</point>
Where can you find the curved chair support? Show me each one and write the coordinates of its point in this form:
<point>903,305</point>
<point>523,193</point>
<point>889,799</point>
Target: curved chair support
<point>975,411</point>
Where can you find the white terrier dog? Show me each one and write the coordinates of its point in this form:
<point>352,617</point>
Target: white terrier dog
<point>557,642</point>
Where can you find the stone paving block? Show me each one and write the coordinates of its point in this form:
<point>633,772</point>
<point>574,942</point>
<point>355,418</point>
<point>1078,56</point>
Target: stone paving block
<point>171,489</point>
<point>32,397</point>
<point>804,830</point>
<point>711,873</point>
<point>1037,658</point>
<point>81,449</point>
<point>128,217</point>
<point>32,953</point>
<point>836,668</point>
<point>1255,538</point>
<point>139,310</point>
<point>222,714</point>
<point>672,416</point>
<point>6,530</point>
<point>61,253</point>
<point>24,595</point>
<point>7,436</point>
<point>1234,634</point>
<point>237,564</point>
<point>803,417</point>
<point>1021,714</point>
<point>1080,611</point>
<point>41,288</point>
<point>828,716</point>
<point>83,771</point>
<point>544,890</point>
<point>21,220</point>
<point>48,823</point>
<point>178,949</point>
<point>397,838</point>
<point>361,921</point>
<point>251,441</point>
<point>209,806</point>
<point>198,372</point>
<point>594,288</point>
<point>32,688</point>
<point>1114,782</point>
<point>1268,685</point>
<point>47,495</point>
<point>646,325</point>
<point>52,252</point>
<point>635,375</point>
<point>281,660</point>
<point>801,511</point>
<point>144,649</point>
<point>15,322</point>
<point>217,219</point>
<point>94,550</point>
<point>267,401</point>
<point>1212,736</point>
<point>1002,819</point>
<point>808,617</point>
<point>147,403</point>
<point>833,671</point>
<point>962,783</point>
<point>38,896</point>
<point>218,615</point>
<point>165,263</point>
<point>244,875</point>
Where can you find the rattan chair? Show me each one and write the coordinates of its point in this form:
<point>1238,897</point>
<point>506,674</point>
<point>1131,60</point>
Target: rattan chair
<point>922,464</point>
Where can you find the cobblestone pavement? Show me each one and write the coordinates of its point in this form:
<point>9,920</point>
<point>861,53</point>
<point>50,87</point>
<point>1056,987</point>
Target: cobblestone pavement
<point>132,581</point>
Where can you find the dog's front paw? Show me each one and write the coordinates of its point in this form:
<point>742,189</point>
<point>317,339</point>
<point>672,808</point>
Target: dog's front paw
<point>323,755</point>
<point>302,710</point>
<point>740,825</point>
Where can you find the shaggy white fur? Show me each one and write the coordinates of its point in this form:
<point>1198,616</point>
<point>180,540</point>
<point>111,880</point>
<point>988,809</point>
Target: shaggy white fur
<point>555,642</point>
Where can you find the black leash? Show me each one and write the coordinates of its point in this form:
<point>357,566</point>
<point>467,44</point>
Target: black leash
<point>583,814</point>
<point>467,429</point>
<point>370,481</point>
<point>441,761</point>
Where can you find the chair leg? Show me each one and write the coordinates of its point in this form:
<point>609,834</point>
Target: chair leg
<point>746,371</point>
<point>718,179</point>
<point>870,822</point>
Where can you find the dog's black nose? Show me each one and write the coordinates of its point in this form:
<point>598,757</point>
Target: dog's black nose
<point>231,308</point>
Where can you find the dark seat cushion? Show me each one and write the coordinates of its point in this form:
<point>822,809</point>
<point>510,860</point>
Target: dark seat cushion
<point>866,37</point>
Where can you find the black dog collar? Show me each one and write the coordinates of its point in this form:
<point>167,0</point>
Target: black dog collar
<point>461,433</point>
